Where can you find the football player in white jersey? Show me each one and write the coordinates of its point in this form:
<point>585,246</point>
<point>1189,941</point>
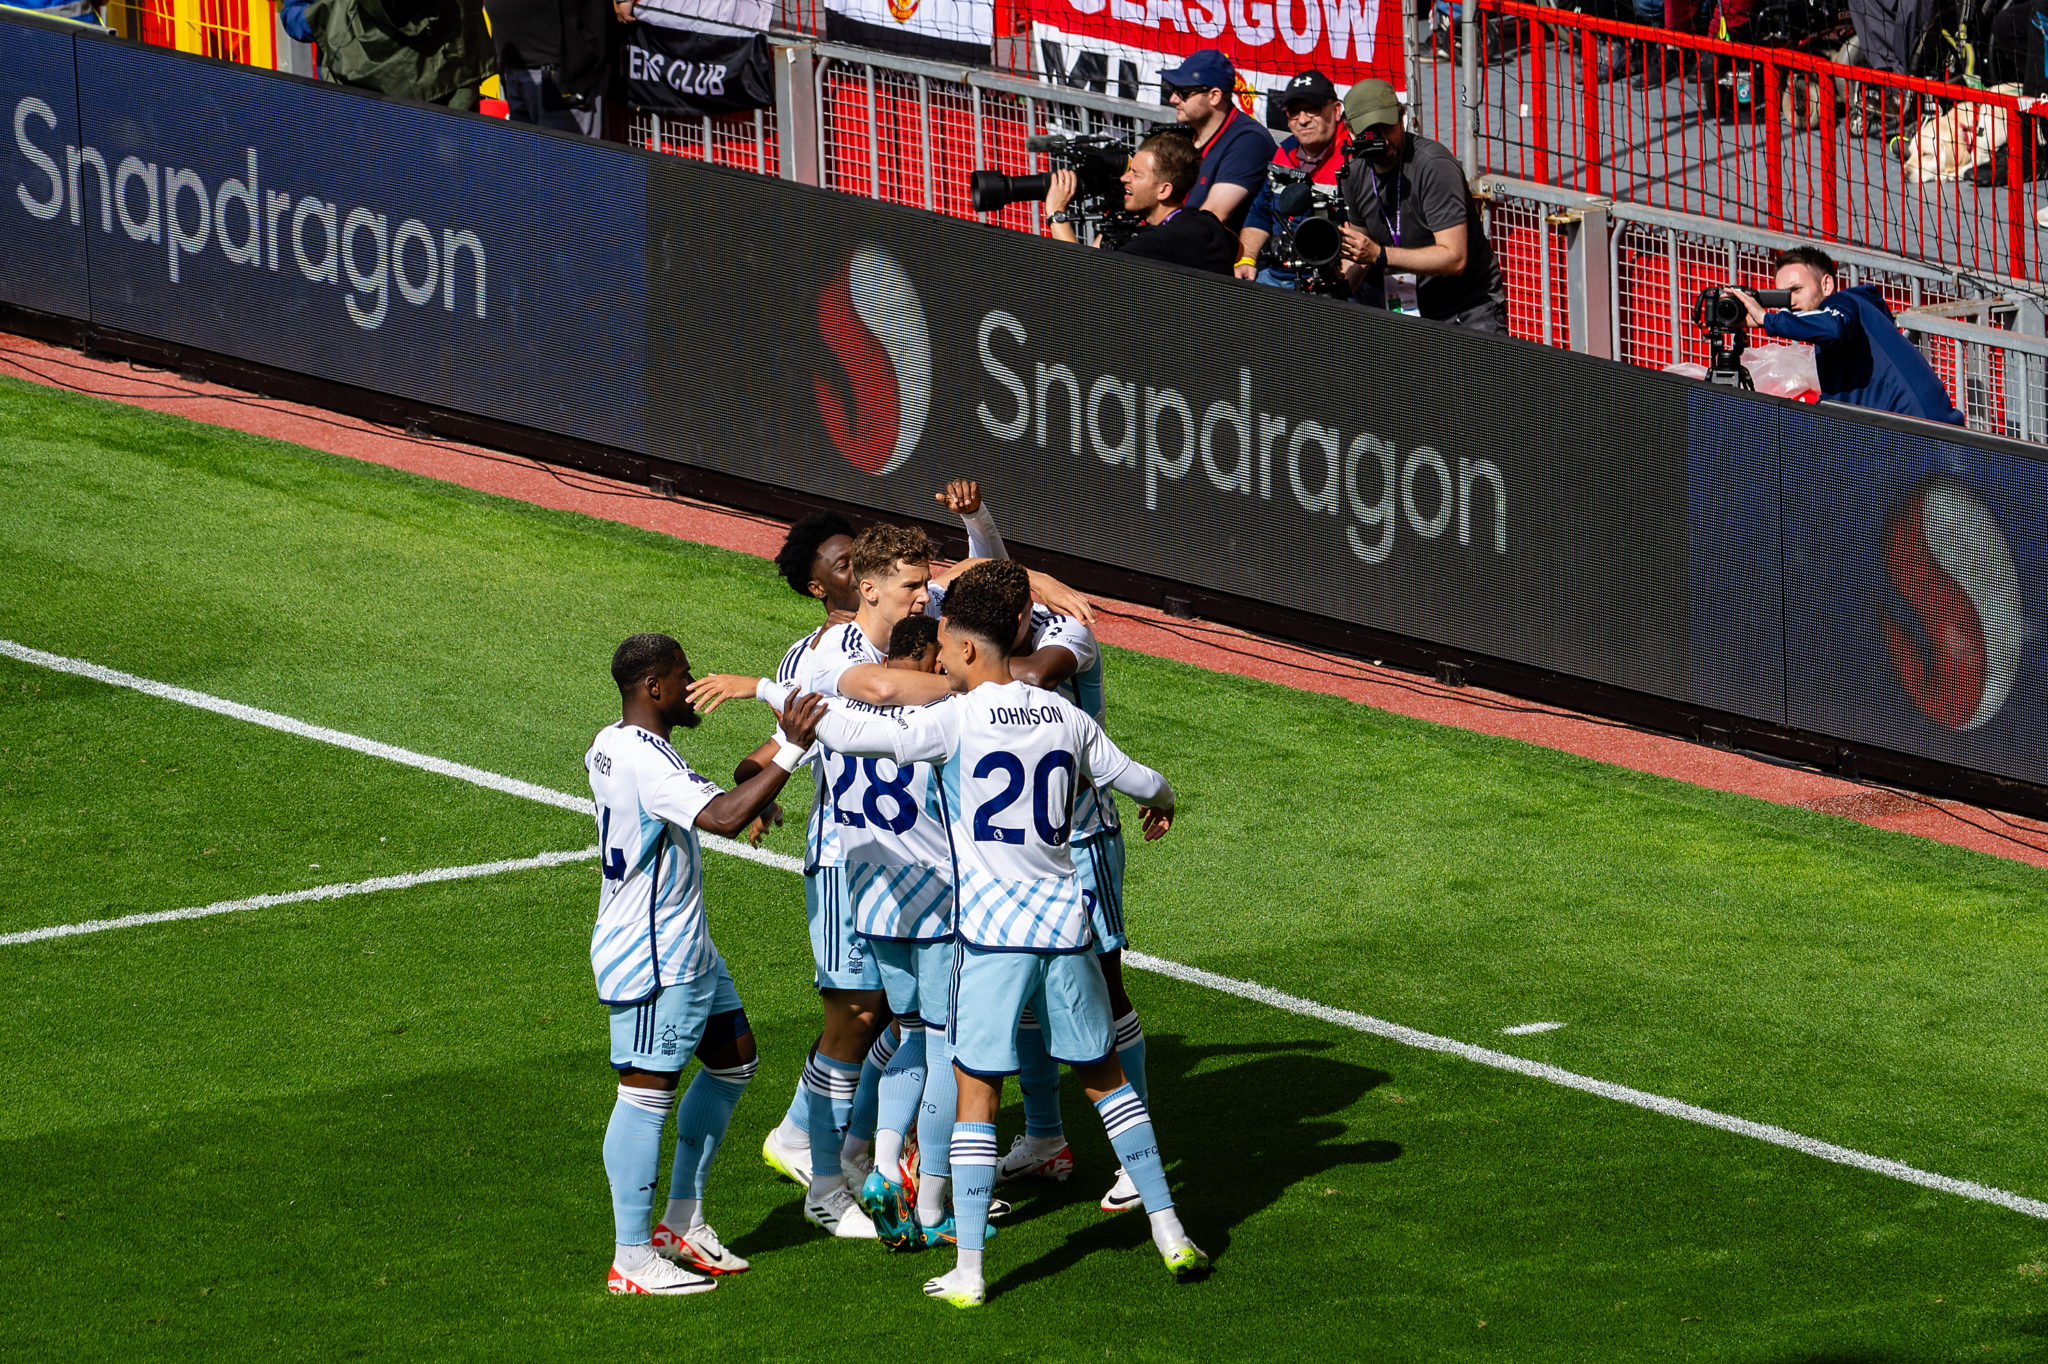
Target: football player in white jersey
<point>900,879</point>
<point>1010,759</point>
<point>656,968</point>
<point>890,566</point>
<point>816,561</point>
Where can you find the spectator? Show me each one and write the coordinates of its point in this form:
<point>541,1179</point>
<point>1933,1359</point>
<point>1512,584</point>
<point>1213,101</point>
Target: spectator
<point>1315,144</point>
<point>554,57</point>
<point>1235,148</point>
<point>83,11</point>
<point>295,18</point>
<point>1156,189</point>
<point>1414,240</point>
<point>1861,356</point>
<point>1887,30</point>
<point>433,51</point>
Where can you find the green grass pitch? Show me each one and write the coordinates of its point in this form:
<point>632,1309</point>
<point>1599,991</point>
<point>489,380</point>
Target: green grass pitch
<point>370,1127</point>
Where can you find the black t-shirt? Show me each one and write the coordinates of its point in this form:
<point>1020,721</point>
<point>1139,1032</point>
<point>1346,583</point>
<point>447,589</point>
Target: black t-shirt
<point>573,36</point>
<point>1191,238</point>
<point>1408,207</point>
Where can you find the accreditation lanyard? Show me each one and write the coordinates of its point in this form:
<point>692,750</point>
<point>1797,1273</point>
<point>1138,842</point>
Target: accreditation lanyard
<point>1393,224</point>
<point>1401,288</point>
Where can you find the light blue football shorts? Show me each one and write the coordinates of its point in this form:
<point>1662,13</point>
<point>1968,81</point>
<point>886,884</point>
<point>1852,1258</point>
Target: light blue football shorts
<point>1099,867</point>
<point>918,977</point>
<point>664,1032</point>
<point>991,991</point>
<point>840,954</point>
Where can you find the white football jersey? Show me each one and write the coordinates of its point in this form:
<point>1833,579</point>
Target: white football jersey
<point>651,930</point>
<point>1010,758</point>
<point>1095,812</point>
<point>841,784</point>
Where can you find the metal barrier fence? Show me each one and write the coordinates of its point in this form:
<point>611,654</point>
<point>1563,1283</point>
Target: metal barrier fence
<point>242,31</point>
<point>1619,280</point>
<point>1759,136</point>
<point>910,132</point>
<point>1586,266</point>
<point>742,141</point>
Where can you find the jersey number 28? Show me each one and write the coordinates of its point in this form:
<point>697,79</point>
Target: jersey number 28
<point>895,790</point>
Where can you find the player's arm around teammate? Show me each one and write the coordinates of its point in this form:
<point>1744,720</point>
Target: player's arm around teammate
<point>987,738</point>
<point>669,993</point>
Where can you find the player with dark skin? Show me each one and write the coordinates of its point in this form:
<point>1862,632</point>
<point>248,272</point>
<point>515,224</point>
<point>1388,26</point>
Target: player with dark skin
<point>659,704</point>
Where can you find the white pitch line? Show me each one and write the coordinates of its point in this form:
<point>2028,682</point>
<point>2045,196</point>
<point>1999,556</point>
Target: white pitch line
<point>475,776</point>
<point>1656,1103</point>
<point>291,897</point>
<point>1525,1029</point>
<point>1192,975</point>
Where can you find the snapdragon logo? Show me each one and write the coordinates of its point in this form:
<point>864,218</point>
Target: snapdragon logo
<point>264,230</point>
<point>1362,482</point>
<point>870,318</point>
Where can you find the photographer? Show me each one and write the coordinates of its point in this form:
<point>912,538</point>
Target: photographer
<point>1316,142</point>
<point>1235,148</point>
<point>1414,242</point>
<point>1861,355</point>
<point>1156,185</point>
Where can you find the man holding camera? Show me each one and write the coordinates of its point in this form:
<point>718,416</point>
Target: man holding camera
<point>1414,242</point>
<point>1315,146</point>
<point>1235,148</point>
<point>1156,186</point>
<point>1861,355</point>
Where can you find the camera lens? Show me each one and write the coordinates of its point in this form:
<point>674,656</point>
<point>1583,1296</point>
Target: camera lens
<point>992,191</point>
<point>1318,242</point>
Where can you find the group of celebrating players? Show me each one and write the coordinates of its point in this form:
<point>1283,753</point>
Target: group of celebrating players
<point>963,872</point>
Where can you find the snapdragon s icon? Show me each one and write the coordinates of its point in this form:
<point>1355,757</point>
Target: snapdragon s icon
<point>872,321</point>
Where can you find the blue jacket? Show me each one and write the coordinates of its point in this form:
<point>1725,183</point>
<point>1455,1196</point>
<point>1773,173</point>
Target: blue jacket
<point>1863,359</point>
<point>296,22</point>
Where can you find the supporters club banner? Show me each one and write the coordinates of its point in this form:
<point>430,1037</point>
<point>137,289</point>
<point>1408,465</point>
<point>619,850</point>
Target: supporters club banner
<point>691,72</point>
<point>1268,41</point>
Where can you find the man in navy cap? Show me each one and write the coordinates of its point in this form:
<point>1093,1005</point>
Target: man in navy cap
<point>1235,148</point>
<point>1315,144</point>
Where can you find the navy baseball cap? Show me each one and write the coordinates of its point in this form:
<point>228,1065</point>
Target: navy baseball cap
<point>1311,88</point>
<point>1207,69</point>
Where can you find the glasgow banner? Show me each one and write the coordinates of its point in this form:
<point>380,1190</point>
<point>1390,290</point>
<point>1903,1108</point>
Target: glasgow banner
<point>1129,42</point>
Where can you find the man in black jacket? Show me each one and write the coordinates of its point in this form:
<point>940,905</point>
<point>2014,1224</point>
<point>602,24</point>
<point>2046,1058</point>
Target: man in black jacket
<point>1156,186</point>
<point>553,59</point>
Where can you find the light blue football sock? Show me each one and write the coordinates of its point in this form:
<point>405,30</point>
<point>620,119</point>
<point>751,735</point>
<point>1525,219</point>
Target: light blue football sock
<point>1137,1149</point>
<point>799,1116</point>
<point>829,1084</point>
<point>632,1160</point>
<point>902,1086</point>
<point>1130,1051</point>
<point>860,1121</point>
<point>935,1114</point>
<point>1039,1079</point>
<point>974,1181</point>
<point>701,1120</point>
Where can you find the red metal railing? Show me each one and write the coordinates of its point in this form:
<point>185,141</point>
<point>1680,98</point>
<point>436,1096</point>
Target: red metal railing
<point>1763,137</point>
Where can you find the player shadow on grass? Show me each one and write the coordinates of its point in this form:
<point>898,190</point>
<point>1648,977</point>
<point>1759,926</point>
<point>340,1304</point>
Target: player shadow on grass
<point>1237,1137</point>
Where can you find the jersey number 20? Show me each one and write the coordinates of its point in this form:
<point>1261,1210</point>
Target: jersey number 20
<point>1011,768</point>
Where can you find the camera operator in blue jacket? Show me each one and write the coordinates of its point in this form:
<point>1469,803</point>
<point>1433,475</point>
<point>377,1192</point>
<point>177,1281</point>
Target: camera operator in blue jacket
<point>1861,355</point>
